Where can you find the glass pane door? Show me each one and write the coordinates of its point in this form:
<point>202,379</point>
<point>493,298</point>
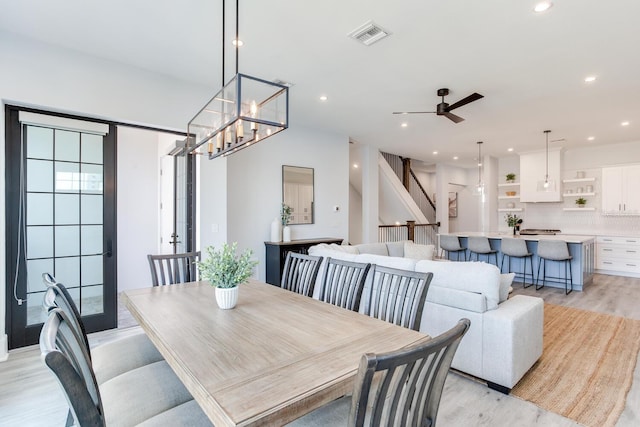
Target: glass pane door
<point>60,220</point>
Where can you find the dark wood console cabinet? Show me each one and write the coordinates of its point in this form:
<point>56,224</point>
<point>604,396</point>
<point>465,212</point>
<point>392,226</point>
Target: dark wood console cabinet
<point>277,254</point>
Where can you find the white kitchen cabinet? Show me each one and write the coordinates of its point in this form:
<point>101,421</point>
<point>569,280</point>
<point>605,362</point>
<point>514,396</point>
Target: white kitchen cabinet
<point>618,255</point>
<point>532,171</point>
<point>619,194</point>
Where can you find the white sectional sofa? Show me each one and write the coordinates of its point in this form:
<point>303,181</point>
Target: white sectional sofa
<point>505,338</point>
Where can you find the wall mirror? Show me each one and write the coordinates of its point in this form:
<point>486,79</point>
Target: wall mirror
<point>297,193</point>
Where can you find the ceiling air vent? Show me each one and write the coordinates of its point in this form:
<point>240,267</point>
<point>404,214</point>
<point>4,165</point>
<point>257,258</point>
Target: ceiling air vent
<point>368,33</point>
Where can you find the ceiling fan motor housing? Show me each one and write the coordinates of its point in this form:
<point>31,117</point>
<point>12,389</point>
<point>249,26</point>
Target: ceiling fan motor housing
<point>441,108</point>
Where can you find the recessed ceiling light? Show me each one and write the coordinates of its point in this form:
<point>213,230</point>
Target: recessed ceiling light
<point>625,123</point>
<point>237,42</point>
<point>435,152</point>
<point>590,79</point>
<point>509,149</point>
<point>542,6</point>
<point>323,98</point>
<point>355,166</point>
<point>591,138</point>
<point>404,125</point>
<point>455,157</point>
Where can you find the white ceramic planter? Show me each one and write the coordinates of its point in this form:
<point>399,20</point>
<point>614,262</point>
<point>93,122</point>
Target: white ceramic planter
<point>227,298</point>
<point>286,234</point>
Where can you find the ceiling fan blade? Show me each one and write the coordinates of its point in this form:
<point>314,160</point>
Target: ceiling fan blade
<point>465,101</point>
<point>413,112</point>
<point>453,117</point>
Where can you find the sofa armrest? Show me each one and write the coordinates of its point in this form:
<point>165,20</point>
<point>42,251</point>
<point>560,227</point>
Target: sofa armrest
<point>512,339</point>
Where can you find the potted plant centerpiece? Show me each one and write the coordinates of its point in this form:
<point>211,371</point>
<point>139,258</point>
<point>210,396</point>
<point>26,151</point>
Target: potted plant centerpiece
<point>513,221</point>
<point>511,178</point>
<point>225,270</point>
<point>581,201</point>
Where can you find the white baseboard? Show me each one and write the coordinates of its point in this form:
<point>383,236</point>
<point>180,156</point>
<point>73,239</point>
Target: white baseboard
<point>4,352</point>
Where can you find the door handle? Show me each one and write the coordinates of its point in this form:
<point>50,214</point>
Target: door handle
<point>108,252</point>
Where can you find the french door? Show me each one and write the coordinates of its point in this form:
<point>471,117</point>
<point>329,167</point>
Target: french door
<point>60,218</point>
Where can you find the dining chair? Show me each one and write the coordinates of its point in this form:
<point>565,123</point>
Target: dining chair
<point>300,272</point>
<point>403,387</point>
<point>343,283</point>
<point>449,244</point>
<point>397,296</point>
<point>152,394</point>
<point>110,359</point>
<point>173,268</point>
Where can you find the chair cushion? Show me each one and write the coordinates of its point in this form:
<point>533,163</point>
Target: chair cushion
<point>335,413</point>
<point>188,414</point>
<point>505,284</point>
<point>142,393</point>
<point>120,356</point>
<point>414,251</point>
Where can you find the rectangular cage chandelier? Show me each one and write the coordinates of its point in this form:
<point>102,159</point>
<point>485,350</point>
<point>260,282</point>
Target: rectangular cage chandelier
<point>245,111</point>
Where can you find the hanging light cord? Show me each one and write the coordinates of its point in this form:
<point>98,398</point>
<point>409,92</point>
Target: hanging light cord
<point>479,163</point>
<point>546,175</point>
<point>237,32</point>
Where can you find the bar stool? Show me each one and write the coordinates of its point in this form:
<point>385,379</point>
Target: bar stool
<point>554,250</point>
<point>450,243</point>
<point>481,246</point>
<point>517,248</point>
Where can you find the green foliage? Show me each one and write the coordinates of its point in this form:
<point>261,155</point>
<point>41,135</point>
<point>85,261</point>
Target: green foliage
<point>511,177</point>
<point>285,214</point>
<point>224,268</point>
<point>581,201</point>
<point>512,220</point>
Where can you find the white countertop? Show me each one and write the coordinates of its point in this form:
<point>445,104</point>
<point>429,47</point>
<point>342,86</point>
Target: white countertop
<point>569,238</point>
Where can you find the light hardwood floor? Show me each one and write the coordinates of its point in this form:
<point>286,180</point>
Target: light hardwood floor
<point>30,396</point>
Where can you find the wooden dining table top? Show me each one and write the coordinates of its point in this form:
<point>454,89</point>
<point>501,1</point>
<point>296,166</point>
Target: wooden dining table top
<point>273,358</point>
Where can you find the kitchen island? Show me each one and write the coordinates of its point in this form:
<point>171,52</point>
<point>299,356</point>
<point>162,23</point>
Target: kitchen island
<point>581,248</point>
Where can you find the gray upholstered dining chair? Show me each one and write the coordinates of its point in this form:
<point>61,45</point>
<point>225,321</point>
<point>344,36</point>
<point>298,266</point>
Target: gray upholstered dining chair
<point>110,359</point>
<point>397,296</point>
<point>152,394</point>
<point>173,268</point>
<point>449,244</point>
<point>558,251</point>
<point>300,272</point>
<point>480,246</point>
<point>343,283</point>
<point>399,388</point>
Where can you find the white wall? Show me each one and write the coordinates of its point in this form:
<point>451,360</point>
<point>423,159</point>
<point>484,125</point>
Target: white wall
<point>248,190</point>
<point>355,216</point>
<point>43,76</point>
<point>138,201</point>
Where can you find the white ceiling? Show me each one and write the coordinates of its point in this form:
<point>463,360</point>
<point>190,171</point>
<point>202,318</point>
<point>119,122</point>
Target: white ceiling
<point>530,67</point>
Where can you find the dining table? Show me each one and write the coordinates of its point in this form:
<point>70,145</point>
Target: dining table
<point>273,358</point>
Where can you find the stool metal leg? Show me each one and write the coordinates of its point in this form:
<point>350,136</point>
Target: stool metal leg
<point>543,264</point>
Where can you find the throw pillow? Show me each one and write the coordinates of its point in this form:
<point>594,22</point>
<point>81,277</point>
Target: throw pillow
<point>413,251</point>
<point>505,284</point>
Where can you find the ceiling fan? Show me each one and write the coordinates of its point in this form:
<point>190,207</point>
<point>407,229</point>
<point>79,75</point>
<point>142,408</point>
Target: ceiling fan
<point>444,109</point>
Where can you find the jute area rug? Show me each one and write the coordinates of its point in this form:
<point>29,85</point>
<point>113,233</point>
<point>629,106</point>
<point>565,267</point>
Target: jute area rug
<point>587,365</point>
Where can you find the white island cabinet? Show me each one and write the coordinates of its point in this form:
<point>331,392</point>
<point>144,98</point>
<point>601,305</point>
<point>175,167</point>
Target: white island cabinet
<point>619,255</point>
<point>619,190</point>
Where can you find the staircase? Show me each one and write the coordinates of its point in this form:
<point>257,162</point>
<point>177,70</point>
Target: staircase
<point>402,169</point>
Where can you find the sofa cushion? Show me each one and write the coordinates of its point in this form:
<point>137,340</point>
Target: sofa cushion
<point>396,248</point>
<point>477,277</point>
<point>373,248</point>
<point>455,298</point>
<point>505,284</point>
<point>414,251</point>
<point>347,249</point>
<point>388,261</point>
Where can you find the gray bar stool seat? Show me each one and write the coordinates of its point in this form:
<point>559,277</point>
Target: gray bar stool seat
<point>558,251</point>
<point>450,243</point>
<point>517,248</point>
<point>481,246</point>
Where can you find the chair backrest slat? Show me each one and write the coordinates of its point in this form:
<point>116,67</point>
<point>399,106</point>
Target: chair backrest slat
<point>403,387</point>
<point>343,283</point>
<point>64,353</point>
<point>173,268</point>
<point>398,296</point>
<point>300,272</point>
